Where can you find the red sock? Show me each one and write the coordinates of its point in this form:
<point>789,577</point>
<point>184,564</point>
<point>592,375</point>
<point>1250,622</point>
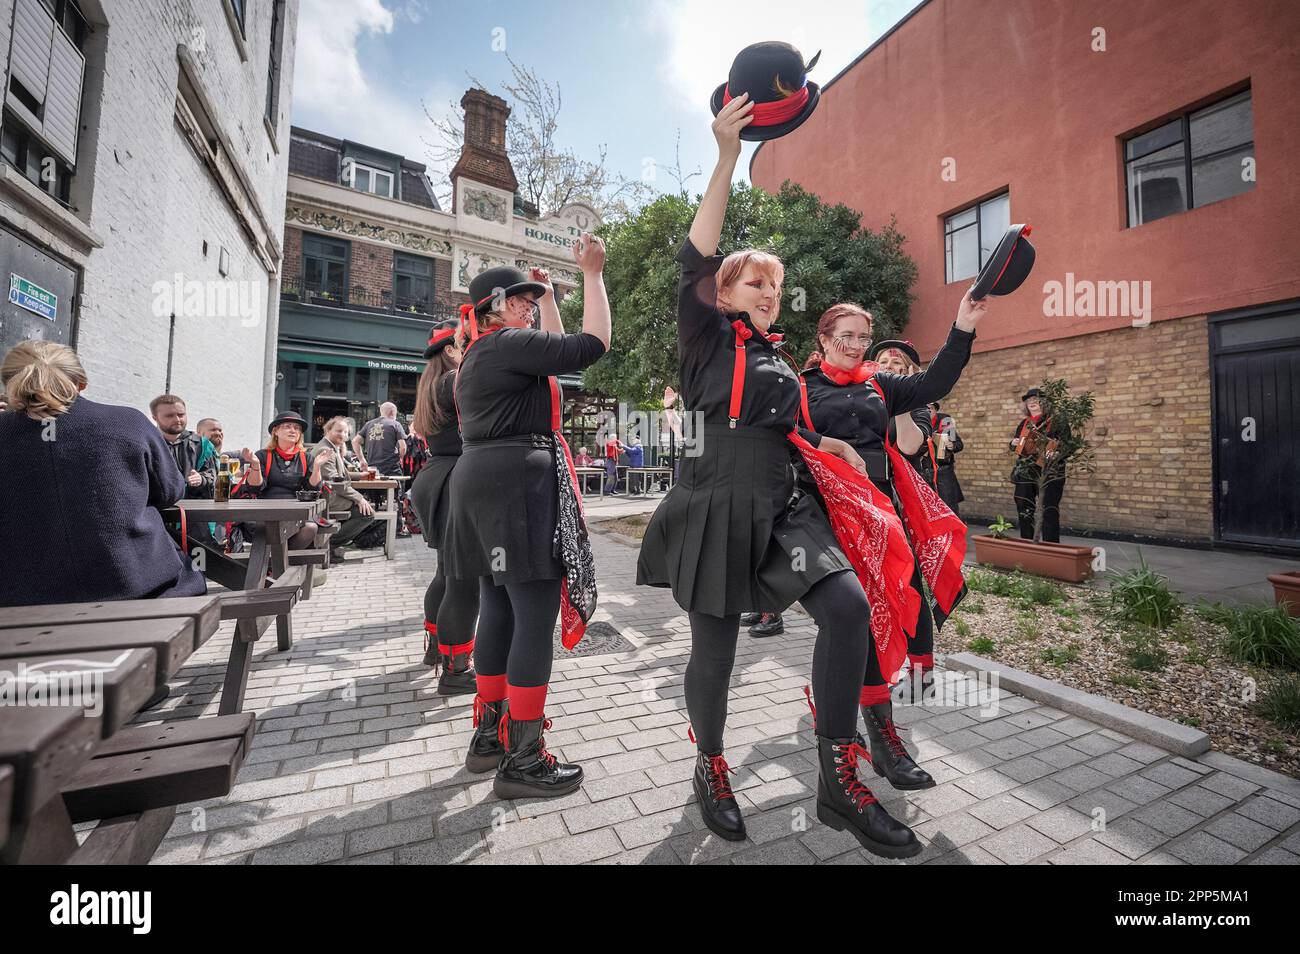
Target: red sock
<point>491,688</point>
<point>874,695</point>
<point>922,662</point>
<point>527,702</point>
<point>456,649</point>
<point>431,628</point>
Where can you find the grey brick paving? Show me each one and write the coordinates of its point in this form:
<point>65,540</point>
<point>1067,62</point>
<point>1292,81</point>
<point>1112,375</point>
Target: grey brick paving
<point>356,760</point>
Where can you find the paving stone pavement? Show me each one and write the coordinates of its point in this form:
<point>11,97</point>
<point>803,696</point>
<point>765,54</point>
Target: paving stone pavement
<point>357,760</point>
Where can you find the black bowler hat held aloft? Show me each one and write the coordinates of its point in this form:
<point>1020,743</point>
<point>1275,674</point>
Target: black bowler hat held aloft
<point>1008,267</point>
<point>489,288</point>
<point>776,78</point>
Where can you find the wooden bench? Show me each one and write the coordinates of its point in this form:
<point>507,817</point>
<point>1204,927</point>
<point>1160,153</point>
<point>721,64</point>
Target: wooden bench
<point>254,609</point>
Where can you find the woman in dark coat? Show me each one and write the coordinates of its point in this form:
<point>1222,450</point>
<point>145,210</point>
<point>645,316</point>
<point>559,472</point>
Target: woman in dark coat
<point>515,523</point>
<point>875,409</point>
<point>82,490</point>
<point>450,606</point>
<point>947,444</point>
<point>732,536</point>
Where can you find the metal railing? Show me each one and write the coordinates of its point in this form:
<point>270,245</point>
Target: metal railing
<point>360,298</point>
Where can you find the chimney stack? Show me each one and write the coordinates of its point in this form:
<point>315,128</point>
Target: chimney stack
<point>483,155</point>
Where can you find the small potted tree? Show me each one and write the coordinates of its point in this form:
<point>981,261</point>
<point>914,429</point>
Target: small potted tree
<point>1066,452</point>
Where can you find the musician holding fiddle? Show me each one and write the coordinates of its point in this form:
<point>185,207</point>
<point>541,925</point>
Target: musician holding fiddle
<point>1036,443</point>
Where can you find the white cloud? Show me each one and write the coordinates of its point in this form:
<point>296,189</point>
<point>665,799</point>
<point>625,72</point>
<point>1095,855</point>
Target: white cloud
<point>334,94</point>
<point>702,39</point>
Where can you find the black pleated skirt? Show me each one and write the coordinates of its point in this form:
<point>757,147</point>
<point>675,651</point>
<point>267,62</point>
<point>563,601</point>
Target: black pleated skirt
<point>732,536</point>
<point>501,521</point>
<point>430,496</point>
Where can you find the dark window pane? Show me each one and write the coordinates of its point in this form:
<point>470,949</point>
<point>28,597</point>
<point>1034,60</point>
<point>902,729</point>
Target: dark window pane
<point>362,378</point>
<point>1221,127</point>
<point>1155,140</point>
<point>1157,185</point>
<point>331,380</point>
<point>1221,176</point>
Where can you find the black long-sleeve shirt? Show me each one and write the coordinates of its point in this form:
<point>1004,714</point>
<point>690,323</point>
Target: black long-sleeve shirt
<point>502,389</point>
<point>706,349</point>
<point>855,412</point>
<point>447,442</point>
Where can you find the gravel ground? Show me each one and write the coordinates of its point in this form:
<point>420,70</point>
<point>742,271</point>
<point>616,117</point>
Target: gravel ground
<point>1077,642</point>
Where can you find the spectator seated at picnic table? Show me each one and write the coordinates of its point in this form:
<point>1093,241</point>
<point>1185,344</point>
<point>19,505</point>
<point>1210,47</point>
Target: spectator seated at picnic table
<point>282,470</point>
<point>333,470</point>
<point>83,490</point>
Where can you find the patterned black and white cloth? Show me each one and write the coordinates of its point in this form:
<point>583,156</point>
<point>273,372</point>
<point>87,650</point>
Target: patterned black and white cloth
<point>572,547</point>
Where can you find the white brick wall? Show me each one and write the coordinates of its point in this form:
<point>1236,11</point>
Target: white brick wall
<point>154,204</point>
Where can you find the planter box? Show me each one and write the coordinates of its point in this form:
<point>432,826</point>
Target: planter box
<point>1286,589</point>
<point>1057,560</point>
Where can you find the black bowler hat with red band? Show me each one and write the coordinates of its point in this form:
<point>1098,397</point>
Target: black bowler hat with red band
<point>1009,265</point>
<point>440,336</point>
<point>776,78</point>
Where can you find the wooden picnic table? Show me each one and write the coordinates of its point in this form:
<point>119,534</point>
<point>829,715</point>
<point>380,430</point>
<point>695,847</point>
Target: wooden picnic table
<point>71,677</point>
<point>278,520</point>
<point>391,513</point>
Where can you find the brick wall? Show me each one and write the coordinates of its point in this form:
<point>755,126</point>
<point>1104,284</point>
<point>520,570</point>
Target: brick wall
<point>1151,430</point>
<point>370,268</point>
<point>291,271</point>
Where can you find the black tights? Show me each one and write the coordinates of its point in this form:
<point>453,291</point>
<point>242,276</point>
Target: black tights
<point>453,605</point>
<point>515,625</point>
<point>840,655</point>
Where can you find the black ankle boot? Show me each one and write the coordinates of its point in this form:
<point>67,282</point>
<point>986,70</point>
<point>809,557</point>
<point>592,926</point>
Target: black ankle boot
<point>485,748</point>
<point>529,771</point>
<point>717,803</point>
<point>457,677</point>
<point>770,625</point>
<point>749,619</point>
<point>888,755</point>
<point>430,647</point>
<point>845,804</point>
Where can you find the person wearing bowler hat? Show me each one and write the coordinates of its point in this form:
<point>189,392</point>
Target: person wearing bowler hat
<point>733,535</point>
<point>1030,442</point>
<point>450,605</point>
<point>875,397</point>
<point>515,521</point>
<point>281,470</point>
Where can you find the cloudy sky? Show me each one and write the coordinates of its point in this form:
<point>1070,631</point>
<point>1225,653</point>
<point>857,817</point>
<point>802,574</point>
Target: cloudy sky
<point>631,72</point>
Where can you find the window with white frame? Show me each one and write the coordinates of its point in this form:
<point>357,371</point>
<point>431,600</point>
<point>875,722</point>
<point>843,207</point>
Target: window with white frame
<point>365,178</point>
<point>971,235</point>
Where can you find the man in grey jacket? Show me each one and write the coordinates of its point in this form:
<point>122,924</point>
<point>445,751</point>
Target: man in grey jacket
<point>334,472</point>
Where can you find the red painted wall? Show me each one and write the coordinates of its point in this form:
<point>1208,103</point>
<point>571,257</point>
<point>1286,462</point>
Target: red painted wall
<point>1013,92</point>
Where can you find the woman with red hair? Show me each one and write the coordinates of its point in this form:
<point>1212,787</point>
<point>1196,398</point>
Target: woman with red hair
<point>733,536</point>
<point>883,413</point>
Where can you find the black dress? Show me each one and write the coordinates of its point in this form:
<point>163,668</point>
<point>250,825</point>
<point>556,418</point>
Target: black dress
<point>732,536</point>
<point>502,523</point>
<point>855,412</point>
<point>429,490</point>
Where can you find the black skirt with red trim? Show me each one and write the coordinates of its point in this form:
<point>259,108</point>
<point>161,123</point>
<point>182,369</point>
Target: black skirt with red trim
<point>732,536</point>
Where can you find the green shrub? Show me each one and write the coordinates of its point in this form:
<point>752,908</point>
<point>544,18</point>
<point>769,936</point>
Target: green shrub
<point>1127,679</point>
<point>972,606</point>
<point>962,627</point>
<point>1260,635</point>
<point>1280,702</point>
<point>1060,655</point>
<point>1144,652</point>
<point>982,645</point>
<point>1039,590</point>
<point>1142,595</point>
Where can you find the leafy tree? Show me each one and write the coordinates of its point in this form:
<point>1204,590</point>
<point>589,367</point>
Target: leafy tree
<point>829,257</point>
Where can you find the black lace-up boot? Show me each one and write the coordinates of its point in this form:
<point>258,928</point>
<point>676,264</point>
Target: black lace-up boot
<point>485,748</point>
<point>457,676</point>
<point>529,771</point>
<point>888,755</point>
<point>717,803</point>
<point>845,804</point>
<point>771,624</point>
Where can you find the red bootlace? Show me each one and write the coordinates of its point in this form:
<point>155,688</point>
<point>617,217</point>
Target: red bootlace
<point>479,705</point>
<point>890,732</point>
<point>858,793</point>
<point>503,736</point>
<point>807,691</point>
<point>718,781</point>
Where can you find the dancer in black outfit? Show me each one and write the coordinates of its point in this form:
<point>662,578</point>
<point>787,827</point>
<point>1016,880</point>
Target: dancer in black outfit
<point>942,474</point>
<point>515,523</point>
<point>843,401</point>
<point>450,606</point>
<point>1035,451</point>
<point>729,538</point>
